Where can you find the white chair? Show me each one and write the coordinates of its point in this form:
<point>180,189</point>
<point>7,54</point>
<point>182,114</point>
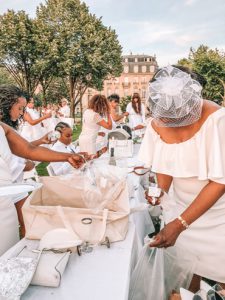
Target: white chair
<point>50,170</point>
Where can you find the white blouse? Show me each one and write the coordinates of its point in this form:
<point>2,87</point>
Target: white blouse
<point>62,168</point>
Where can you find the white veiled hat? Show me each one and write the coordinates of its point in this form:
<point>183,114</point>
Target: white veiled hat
<point>175,98</point>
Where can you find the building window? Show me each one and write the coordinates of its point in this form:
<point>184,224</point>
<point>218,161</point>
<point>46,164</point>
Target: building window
<point>152,69</point>
<point>143,80</point>
<point>135,69</point>
<point>136,59</point>
<point>135,79</point>
<point>126,59</point>
<point>126,79</point>
<point>143,93</point>
<point>126,69</point>
<point>126,92</point>
<point>143,69</point>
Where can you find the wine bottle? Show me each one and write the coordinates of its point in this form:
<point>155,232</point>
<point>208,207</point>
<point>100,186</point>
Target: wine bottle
<point>112,160</point>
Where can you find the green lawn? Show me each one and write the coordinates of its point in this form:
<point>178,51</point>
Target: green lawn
<point>41,168</point>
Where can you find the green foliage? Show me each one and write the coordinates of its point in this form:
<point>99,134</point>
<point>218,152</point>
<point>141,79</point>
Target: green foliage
<point>86,50</point>
<point>210,63</point>
<point>123,102</point>
<point>18,48</point>
<point>5,77</point>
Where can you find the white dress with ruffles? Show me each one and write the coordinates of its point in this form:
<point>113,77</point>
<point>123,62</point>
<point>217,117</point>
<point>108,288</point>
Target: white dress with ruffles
<point>192,164</point>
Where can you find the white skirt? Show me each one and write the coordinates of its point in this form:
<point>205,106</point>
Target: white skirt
<point>9,227</point>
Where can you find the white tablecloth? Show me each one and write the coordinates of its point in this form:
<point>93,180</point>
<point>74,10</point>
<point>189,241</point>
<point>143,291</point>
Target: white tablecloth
<point>103,273</point>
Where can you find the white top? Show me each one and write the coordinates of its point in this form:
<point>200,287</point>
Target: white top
<point>192,164</point>
<point>136,119</point>
<point>32,132</point>
<point>62,168</point>
<point>90,128</point>
<point>65,110</point>
<point>8,218</point>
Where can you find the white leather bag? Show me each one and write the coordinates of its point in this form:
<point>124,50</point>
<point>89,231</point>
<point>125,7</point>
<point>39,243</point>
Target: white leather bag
<point>50,268</point>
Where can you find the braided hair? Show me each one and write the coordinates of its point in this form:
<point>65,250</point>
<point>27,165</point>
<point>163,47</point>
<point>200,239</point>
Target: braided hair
<point>99,104</point>
<point>9,95</point>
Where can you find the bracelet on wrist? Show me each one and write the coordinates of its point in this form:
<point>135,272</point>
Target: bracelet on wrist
<point>183,222</point>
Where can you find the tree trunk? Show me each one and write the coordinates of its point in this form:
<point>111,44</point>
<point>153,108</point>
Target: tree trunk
<point>72,106</point>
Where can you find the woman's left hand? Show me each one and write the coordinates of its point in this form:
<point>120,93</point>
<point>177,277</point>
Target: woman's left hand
<point>168,235</point>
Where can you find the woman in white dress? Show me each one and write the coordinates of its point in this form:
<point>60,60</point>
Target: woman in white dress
<point>184,144</point>
<point>13,103</point>
<point>136,111</point>
<point>64,144</point>
<point>32,128</point>
<point>10,140</point>
<point>93,120</point>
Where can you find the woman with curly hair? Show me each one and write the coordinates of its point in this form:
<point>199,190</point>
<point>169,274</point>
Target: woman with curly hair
<point>98,109</point>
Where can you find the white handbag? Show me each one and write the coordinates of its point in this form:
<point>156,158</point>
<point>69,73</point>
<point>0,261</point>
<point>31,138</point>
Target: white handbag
<point>50,268</point>
<point>122,148</point>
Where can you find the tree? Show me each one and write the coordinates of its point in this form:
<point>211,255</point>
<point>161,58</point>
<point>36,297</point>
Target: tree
<point>123,102</point>
<point>18,49</point>
<point>210,63</point>
<point>86,50</point>
<point>5,77</point>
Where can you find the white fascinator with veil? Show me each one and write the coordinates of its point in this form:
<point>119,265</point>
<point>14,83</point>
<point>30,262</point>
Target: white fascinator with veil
<point>175,98</point>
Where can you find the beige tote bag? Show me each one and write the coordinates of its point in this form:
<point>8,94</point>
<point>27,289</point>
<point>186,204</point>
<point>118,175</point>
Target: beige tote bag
<point>58,203</point>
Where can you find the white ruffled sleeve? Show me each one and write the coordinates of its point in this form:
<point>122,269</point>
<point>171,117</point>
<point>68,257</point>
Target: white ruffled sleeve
<point>146,151</point>
<point>211,148</point>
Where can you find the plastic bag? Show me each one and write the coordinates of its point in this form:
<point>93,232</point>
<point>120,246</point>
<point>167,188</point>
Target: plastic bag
<point>147,279</point>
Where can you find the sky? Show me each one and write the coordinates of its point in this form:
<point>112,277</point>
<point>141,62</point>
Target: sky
<point>165,28</point>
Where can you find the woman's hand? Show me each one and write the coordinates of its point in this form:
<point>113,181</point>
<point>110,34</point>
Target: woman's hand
<point>77,160</point>
<point>48,115</point>
<point>29,166</point>
<point>168,235</point>
<point>101,133</point>
<point>151,200</point>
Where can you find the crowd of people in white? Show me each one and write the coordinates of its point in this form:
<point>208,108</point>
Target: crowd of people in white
<point>182,142</point>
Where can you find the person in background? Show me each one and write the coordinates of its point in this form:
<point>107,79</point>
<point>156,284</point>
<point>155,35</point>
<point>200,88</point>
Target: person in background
<point>114,101</point>
<point>32,128</point>
<point>93,120</point>
<point>184,145</point>
<point>64,110</point>
<point>64,144</point>
<point>136,111</point>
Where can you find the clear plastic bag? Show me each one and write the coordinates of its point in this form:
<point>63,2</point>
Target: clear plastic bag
<point>147,280</point>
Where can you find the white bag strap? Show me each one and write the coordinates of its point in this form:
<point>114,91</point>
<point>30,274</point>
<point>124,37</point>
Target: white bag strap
<point>104,222</point>
<point>66,223</point>
<point>68,226</point>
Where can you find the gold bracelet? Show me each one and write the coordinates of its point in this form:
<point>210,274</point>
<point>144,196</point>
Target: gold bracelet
<point>183,222</point>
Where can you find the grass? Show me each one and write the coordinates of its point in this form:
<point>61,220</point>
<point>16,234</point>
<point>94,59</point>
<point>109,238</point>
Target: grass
<point>41,168</point>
